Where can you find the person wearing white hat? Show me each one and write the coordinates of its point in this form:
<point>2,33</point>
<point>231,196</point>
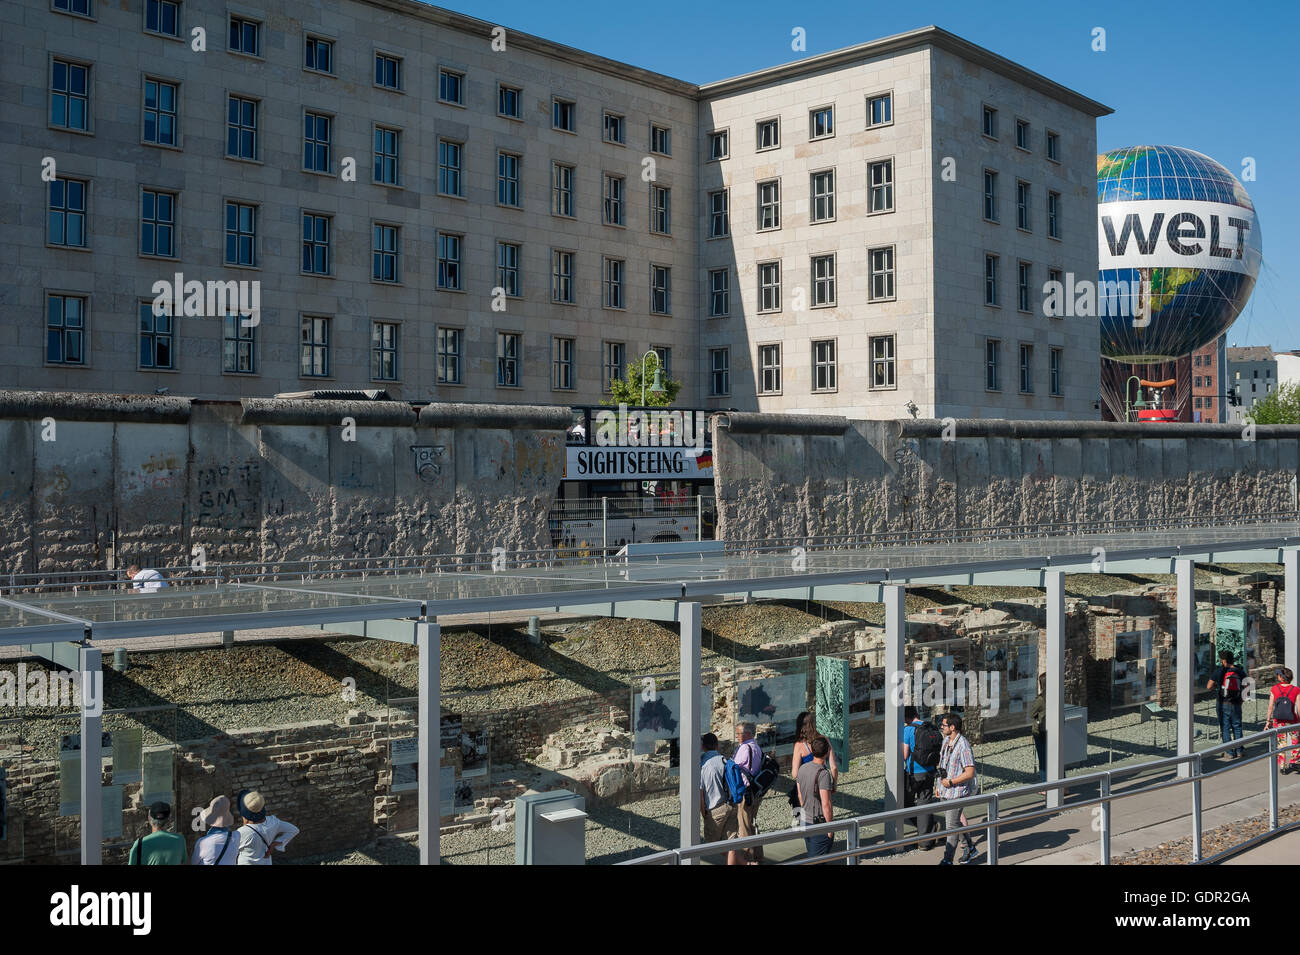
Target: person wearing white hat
<point>261,831</point>
<point>217,846</point>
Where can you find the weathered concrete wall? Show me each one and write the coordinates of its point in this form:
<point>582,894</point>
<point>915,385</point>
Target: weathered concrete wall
<point>85,479</point>
<point>808,476</point>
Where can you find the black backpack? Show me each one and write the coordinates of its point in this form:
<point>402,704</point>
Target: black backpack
<point>1284,708</point>
<point>768,771</point>
<point>926,744</point>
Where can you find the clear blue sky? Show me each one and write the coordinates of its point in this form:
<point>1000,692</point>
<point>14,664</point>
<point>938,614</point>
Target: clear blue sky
<point>1220,78</point>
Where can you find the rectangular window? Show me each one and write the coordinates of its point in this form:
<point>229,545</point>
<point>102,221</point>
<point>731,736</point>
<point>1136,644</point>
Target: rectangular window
<point>508,269</point>
<point>1022,205</point>
<point>564,115</point>
<point>823,196</point>
<point>769,286</point>
<point>79,7</point>
<point>316,142</point>
<point>562,362</point>
<point>613,200</point>
<point>315,347</point>
<point>615,359</point>
<point>388,71</point>
<point>315,243</point>
<point>613,282</point>
<point>1197,361</point>
<point>509,101</point>
<point>241,234</point>
<point>241,128</point>
<point>661,140</point>
<point>1053,146</point>
<point>660,210</point>
<point>719,226</point>
<point>387,155</point>
<point>70,95</point>
<point>383,351</point>
<point>718,147</point>
<point>508,180</point>
<point>562,276</point>
<point>992,372</point>
<point>719,292</point>
<point>882,273</point>
<point>67,213</point>
<point>1197,381</point>
<point>880,176</point>
<point>449,262</point>
<point>990,280</point>
<point>160,120</point>
<point>661,290</point>
<point>882,361</point>
<point>451,346</point>
<point>1055,275</point>
<point>245,36</point>
<point>615,129</point>
<point>562,189</point>
<point>451,87</point>
<point>1022,287</point>
<point>65,330</point>
<point>157,339</point>
<point>768,134</point>
<point>990,195</point>
<point>1198,402</point>
<point>825,371</point>
<point>448,167</point>
<point>1026,368</point>
<point>1054,215</point>
<point>990,128</point>
<point>1054,370</point>
<point>769,369</point>
<point>821,122</point>
<point>1022,135</point>
<point>719,372</point>
<point>317,54</point>
<point>157,223</point>
<point>238,346</point>
<point>880,110</point>
<point>385,253</point>
<point>823,280</point>
<point>769,204</point>
<point>509,355</point>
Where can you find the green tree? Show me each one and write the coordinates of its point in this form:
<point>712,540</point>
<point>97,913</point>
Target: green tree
<point>627,390</point>
<point>1280,407</point>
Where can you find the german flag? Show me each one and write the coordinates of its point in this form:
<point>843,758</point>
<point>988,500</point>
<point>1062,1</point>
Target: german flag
<point>704,460</point>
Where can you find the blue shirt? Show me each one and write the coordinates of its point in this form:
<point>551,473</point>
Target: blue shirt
<point>909,737</point>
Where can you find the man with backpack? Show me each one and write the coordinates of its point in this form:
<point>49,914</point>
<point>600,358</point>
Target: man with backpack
<point>749,760</point>
<point>921,745</point>
<point>722,789</point>
<point>1228,679</point>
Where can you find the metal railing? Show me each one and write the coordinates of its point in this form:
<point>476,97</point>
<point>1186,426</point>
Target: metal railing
<point>855,826</point>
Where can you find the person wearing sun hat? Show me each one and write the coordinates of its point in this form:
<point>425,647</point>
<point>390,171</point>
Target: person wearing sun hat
<point>217,846</point>
<point>261,831</point>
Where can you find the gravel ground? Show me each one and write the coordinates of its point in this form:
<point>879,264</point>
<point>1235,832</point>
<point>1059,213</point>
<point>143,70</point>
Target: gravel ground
<point>1179,852</point>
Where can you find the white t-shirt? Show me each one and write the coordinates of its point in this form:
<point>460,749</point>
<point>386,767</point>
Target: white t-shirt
<point>148,580</point>
<point>209,847</point>
<point>253,850</point>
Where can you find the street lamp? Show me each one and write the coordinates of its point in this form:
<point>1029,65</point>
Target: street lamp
<point>657,386</point>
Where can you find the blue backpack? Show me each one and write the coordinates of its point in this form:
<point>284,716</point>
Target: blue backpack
<point>737,785</point>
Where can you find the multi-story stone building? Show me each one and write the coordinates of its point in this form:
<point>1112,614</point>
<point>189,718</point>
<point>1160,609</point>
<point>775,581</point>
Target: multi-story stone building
<point>449,210</point>
<point>1209,395</point>
<point>1252,375</point>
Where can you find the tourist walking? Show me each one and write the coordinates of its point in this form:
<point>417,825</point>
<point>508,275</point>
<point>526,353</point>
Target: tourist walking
<point>814,784</point>
<point>805,731</point>
<point>921,746</point>
<point>1038,726</point>
<point>1284,710</point>
<point>717,807</point>
<point>218,845</point>
<point>748,759</point>
<point>159,847</point>
<point>1228,679</point>
<point>261,832</point>
<point>956,781</point>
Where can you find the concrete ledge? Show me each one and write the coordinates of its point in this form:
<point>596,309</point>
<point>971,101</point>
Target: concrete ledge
<point>529,417</point>
<point>1002,428</point>
<point>80,406</point>
<point>311,411</point>
<point>751,422</point>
